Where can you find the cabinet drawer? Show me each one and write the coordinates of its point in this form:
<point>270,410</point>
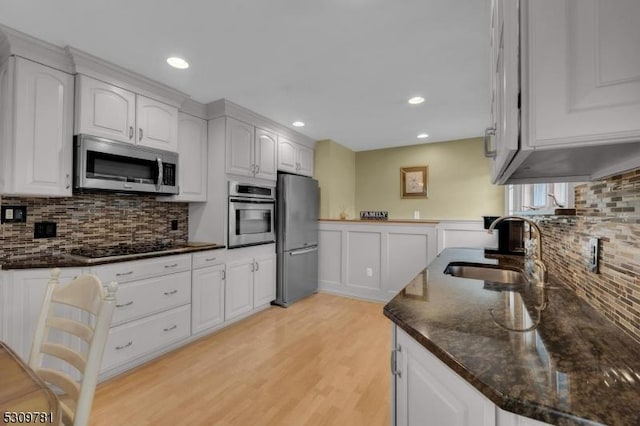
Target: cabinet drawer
<point>137,269</point>
<point>140,298</point>
<point>129,341</point>
<point>209,258</point>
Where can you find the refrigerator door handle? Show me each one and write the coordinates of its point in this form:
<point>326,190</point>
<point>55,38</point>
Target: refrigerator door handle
<point>305,251</point>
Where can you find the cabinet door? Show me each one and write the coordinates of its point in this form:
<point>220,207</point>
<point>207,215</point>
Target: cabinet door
<point>287,155</point>
<point>239,143</point>
<point>239,290</point>
<point>505,84</point>
<point>157,124</point>
<point>104,110</point>
<point>266,148</point>
<point>591,93</point>
<point>207,308</point>
<point>429,393</point>
<point>23,295</point>
<point>305,161</point>
<point>264,280</point>
<point>43,131</point>
<point>192,148</point>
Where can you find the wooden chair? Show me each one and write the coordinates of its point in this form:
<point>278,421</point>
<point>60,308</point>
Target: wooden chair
<point>87,294</point>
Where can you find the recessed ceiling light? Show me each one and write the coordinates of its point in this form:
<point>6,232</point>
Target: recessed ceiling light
<point>423,136</point>
<point>416,100</point>
<point>179,63</point>
<point>298,124</point>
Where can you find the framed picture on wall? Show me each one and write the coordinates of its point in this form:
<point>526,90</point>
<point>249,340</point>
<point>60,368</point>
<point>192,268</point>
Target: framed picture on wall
<point>413,182</point>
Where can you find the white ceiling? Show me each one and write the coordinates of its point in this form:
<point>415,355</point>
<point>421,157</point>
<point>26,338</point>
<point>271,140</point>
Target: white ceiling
<point>344,67</point>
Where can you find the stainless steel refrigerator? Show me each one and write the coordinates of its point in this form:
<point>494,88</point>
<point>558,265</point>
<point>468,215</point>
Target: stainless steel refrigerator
<point>297,238</point>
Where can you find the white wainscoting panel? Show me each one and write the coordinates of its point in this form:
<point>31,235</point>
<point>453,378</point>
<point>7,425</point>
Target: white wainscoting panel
<point>467,233</point>
<point>394,252</point>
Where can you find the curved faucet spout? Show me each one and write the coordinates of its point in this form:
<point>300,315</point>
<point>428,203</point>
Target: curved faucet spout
<point>538,258</point>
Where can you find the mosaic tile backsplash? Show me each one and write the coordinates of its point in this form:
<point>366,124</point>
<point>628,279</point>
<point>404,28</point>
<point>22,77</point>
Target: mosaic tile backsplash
<point>609,210</point>
<point>92,219</point>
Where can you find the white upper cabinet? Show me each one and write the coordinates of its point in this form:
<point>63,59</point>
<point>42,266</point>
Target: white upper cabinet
<point>104,110</point>
<point>591,94</point>
<point>192,151</point>
<point>265,154</point>
<point>157,124</point>
<point>294,157</point>
<point>107,111</point>
<point>36,129</point>
<point>579,89</point>
<point>251,151</point>
<point>240,139</point>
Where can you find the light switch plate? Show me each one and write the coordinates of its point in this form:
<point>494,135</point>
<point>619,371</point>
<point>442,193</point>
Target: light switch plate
<point>594,253</point>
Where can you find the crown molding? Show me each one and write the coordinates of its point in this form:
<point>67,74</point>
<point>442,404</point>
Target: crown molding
<point>226,108</point>
<point>194,108</point>
<point>92,66</point>
<point>13,42</point>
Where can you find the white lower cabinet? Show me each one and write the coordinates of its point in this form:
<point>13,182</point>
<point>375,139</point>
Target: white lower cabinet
<point>136,338</point>
<point>427,392</point>
<point>207,292</point>
<point>239,293</point>
<point>264,283</point>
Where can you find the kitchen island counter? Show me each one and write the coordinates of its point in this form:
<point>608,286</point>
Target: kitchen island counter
<point>546,354</point>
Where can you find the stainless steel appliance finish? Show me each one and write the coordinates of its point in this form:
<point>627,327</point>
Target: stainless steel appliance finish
<point>251,214</point>
<point>115,166</point>
<point>297,242</point>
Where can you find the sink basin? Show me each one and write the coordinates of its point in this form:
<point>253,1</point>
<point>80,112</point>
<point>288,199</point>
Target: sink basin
<point>480,271</point>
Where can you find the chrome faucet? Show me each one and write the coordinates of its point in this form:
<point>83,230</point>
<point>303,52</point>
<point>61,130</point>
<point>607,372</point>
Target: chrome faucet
<point>542,275</point>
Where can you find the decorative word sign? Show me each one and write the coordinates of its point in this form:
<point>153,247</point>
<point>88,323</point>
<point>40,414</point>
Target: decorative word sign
<point>374,215</point>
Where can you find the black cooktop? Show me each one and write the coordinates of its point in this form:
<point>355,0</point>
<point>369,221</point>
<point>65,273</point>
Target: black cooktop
<point>120,250</point>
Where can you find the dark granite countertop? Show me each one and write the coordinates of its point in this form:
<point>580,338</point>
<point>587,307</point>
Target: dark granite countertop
<point>64,261</point>
<point>572,368</point>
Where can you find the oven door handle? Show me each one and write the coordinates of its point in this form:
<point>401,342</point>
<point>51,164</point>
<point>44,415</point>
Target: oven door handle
<point>251,201</point>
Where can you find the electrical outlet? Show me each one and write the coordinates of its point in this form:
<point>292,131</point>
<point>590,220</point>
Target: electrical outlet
<point>174,225</point>
<point>13,214</point>
<point>369,272</point>
<point>594,252</point>
<point>44,230</point>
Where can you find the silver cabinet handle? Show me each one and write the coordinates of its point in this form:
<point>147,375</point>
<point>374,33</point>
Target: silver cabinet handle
<point>68,182</point>
<point>169,293</point>
<point>488,132</point>
<point>257,168</point>
<point>122,274</point>
<point>305,251</point>
<point>394,369</point>
<point>127,186</point>
<point>140,134</point>
<point>125,304</point>
<point>170,266</point>
<point>130,132</point>
<point>210,259</point>
<point>257,266</point>
<point>253,267</point>
<point>173,327</point>
<point>124,346</point>
<point>224,274</point>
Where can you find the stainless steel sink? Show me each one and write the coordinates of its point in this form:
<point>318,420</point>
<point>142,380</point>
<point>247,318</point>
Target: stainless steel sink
<point>480,271</point>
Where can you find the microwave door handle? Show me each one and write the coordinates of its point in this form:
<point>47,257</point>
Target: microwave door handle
<point>160,173</point>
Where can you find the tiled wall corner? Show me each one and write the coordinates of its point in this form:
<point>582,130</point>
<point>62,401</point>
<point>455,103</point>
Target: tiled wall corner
<point>609,210</point>
<point>92,219</point>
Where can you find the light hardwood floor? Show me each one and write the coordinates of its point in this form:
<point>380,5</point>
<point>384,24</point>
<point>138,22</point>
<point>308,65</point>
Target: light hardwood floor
<point>322,361</point>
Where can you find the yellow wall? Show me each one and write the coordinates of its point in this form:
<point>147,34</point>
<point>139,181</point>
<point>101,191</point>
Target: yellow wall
<point>459,181</point>
<point>335,170</point>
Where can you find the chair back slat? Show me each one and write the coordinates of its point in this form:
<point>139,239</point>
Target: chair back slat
<point>81,293</point>
<point>66,354</point>
<point>61,380</point>
<point>86,293</point>
<point>70,326</point>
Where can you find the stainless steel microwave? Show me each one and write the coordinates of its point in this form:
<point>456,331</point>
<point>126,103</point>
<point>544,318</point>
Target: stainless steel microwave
<point>107,165</point>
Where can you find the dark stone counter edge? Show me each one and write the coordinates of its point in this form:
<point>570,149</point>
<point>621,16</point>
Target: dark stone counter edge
<point>504,402</point>
<point>63,261</point>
